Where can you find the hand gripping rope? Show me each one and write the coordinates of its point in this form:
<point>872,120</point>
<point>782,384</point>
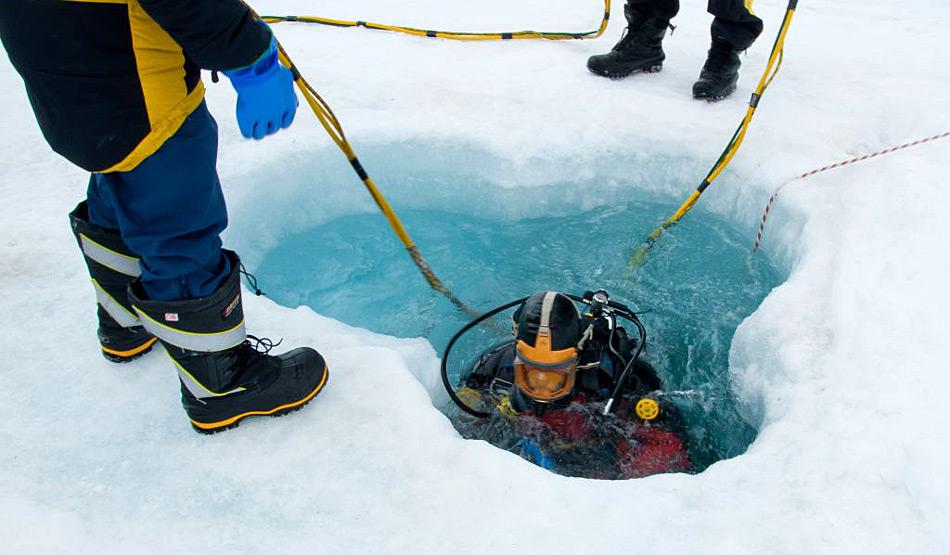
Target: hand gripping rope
<point>771,70</point>
<point>453,35</point>
<point>768,206</point>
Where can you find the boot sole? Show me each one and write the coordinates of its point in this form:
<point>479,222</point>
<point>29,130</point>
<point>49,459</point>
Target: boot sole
<point>233,422</point>
<point>617,75</point>
<point>121,357</point>
<point>726,94</point>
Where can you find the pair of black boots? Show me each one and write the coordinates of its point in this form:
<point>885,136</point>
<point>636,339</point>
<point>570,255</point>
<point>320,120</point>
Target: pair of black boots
<point>640,50</point>
<point>226,375</point>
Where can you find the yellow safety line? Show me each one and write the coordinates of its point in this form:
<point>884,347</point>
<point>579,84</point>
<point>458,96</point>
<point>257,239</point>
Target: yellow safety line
<point>452,35</point>
<point>771,70</point>
<point>334,129</point>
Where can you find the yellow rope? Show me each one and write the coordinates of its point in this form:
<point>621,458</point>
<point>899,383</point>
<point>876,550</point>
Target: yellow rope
<point>334,129</point>
<point>452,35</point>
<point>771,70</point>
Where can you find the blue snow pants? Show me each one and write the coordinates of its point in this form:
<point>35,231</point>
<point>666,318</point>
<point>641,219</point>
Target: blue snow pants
<point>170,211</point>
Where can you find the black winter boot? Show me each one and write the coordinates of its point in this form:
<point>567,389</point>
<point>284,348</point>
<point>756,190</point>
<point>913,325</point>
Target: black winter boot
<point>640,49</point>
<point>224,376</point>
<point>720,73</point>
<point>112,266</point>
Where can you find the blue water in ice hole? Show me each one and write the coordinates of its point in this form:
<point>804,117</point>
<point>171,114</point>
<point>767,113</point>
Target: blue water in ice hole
<point>698,284</point>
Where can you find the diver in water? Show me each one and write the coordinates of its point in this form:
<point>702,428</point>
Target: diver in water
<point>547,392</point>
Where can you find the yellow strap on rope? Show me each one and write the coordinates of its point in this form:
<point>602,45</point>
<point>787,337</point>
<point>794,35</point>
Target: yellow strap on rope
<point>771,70</point>
<point>452,35</point>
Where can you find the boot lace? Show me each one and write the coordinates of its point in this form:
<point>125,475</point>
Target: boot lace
<point>261,345</point>
<point>253,355</point>
<point>251,281</point>
<point>630,36</point>
<point>626,40</point>
<point>246,362</point>
<point>719,57</point>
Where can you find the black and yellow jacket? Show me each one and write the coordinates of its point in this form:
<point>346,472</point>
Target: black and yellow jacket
<point>111,80</point>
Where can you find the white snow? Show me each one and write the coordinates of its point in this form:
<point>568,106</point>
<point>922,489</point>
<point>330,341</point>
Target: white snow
<point>843,366</point>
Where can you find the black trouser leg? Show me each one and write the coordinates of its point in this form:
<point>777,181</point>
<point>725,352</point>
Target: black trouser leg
<point>640,10</point>
<point>734,23</point>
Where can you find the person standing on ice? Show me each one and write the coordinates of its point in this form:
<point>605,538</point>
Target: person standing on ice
<point>734,29</point>
<point>116,89</point>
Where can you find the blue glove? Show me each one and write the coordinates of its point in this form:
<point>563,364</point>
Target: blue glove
<point>266,99</point>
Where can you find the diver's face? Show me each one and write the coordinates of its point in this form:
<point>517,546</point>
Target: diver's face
<point>544,383</point>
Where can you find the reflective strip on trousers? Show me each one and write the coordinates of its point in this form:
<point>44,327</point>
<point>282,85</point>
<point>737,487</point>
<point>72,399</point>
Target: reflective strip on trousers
<point>114,308</point>
<point>194,341</point>
<point>196,388</point>
<point>126,265</point>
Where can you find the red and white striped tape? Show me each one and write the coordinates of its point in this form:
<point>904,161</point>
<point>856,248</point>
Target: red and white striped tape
<point>768,206</point>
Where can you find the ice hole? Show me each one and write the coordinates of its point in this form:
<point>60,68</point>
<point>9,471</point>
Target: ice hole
<point>494,230</point>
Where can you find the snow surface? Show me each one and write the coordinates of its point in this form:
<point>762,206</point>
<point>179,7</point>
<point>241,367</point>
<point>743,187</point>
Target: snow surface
<point>843,366</point>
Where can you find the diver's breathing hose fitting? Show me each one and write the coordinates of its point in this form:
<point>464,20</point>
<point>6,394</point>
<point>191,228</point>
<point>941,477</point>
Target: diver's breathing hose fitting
<point>618,388</point>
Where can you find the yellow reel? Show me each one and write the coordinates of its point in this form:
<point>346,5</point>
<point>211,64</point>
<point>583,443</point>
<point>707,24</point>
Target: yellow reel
<point>647,409</point>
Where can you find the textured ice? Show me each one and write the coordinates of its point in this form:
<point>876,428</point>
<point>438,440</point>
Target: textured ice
<point>843,366</point>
